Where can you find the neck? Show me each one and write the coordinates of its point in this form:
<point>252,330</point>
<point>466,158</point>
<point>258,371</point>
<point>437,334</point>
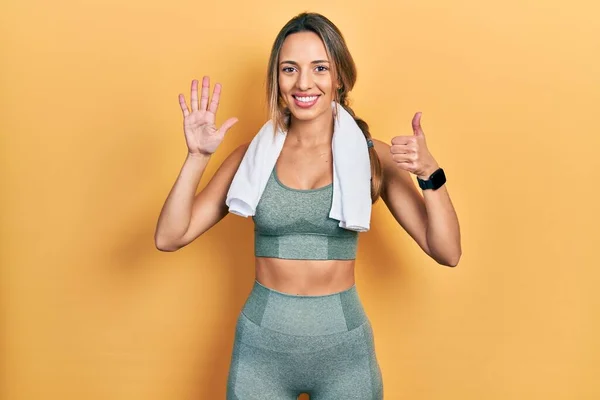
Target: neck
<point>312,132</point>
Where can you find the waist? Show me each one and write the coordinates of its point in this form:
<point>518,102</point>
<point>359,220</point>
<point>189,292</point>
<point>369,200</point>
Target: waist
<point>305,277</point>
<point>304,315</point>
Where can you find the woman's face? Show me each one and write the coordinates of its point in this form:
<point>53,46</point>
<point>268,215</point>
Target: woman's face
<point>305,76</point>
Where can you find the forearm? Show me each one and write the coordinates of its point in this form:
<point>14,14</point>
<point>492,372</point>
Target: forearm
<point>443,231</point>
<point>176,213</point>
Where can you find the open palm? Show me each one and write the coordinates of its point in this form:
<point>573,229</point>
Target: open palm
<point>201,134</point>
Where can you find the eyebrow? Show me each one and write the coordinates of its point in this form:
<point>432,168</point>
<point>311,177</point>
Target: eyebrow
<point>313,62</point>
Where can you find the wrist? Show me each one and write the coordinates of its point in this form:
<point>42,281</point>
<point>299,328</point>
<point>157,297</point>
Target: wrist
<point>199,156</point>
<point>427,173</point>
<point>434,181</point>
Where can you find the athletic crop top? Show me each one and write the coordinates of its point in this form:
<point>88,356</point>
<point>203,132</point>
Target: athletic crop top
<point>294,224</point>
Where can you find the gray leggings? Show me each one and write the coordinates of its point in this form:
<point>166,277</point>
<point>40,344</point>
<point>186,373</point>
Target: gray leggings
<point>286,345</point>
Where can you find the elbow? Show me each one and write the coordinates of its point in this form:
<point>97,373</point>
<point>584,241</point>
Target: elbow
<point>451,264</point>
<point>165,249</point>
<point>451,261</point>
<point>447,260</point>
<point>165,245</point>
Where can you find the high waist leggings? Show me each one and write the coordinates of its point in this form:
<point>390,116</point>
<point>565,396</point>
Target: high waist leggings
<point>288,344</point>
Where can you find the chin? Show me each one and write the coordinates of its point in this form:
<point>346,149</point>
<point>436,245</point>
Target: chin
<point>308,114</point>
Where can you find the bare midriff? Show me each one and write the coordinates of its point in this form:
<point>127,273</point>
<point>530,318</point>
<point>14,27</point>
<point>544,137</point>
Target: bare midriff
<point>305,277</point>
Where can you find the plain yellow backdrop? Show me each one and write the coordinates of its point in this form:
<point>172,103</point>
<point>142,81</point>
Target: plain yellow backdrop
<point>92,142</point>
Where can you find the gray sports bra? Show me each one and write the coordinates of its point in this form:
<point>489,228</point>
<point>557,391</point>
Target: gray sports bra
<point>294,224</point>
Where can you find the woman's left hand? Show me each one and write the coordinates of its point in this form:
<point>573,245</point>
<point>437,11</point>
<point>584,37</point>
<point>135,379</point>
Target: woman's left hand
<point>411,154</point>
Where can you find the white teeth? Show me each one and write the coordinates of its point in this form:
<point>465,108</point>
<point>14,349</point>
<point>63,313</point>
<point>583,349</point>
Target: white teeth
<point>306,99</point>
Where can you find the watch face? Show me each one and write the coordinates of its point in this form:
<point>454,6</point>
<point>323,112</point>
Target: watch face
<point>438,178</point>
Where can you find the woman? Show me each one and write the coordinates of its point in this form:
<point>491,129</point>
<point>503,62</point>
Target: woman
<point>302,328</point>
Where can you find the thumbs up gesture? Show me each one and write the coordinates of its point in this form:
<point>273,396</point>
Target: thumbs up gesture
<point>411,154</point>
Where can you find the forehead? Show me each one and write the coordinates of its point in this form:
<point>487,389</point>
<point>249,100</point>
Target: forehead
<point>303,46</point>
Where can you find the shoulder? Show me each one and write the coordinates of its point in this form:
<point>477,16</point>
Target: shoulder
<point>231,163</point>
<point>391,172</point>
<point>236,155</point>
<point>383,152</point>
<point>241,149</point>
<point>380,146</point>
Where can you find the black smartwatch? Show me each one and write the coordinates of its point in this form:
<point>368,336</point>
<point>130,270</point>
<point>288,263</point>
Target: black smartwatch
<point>435,181</point>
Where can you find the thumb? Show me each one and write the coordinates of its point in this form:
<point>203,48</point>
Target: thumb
<point>227,125</point>
<point>416,125</point>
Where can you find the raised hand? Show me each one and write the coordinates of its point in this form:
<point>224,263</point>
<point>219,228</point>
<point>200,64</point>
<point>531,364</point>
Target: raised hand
<point>201,135</point>
<point>411,153</point>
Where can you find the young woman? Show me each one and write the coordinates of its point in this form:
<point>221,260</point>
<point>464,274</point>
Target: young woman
<point>303,328</point>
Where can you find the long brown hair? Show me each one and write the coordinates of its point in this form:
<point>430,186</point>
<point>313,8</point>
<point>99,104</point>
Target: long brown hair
<point>344,72</point>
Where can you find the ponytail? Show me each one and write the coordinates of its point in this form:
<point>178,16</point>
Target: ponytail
<point>376,170</point>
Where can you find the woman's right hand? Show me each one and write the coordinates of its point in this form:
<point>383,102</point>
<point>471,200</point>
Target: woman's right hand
<point>201,134</point>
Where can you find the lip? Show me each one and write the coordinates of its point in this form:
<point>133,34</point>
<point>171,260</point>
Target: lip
<point>304,94</point>
<point>300,104</point>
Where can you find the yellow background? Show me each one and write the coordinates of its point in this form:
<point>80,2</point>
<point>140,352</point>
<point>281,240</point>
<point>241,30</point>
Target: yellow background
<point>92,142</point>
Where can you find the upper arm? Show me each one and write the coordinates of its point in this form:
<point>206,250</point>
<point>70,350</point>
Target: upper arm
<point>401,197</point>
<point>209,205</point>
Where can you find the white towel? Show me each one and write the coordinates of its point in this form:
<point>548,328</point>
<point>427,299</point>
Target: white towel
<point>351,204</point>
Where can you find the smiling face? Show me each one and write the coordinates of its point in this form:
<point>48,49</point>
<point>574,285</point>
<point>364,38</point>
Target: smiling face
<point>306,76</point>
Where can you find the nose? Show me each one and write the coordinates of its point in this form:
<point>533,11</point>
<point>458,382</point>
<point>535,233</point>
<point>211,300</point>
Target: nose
<point>305,81</point>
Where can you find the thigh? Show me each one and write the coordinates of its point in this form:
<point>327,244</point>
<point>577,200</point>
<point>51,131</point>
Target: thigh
<point>258,373</point>
<point>348,390</point>
<point>351,370</point>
